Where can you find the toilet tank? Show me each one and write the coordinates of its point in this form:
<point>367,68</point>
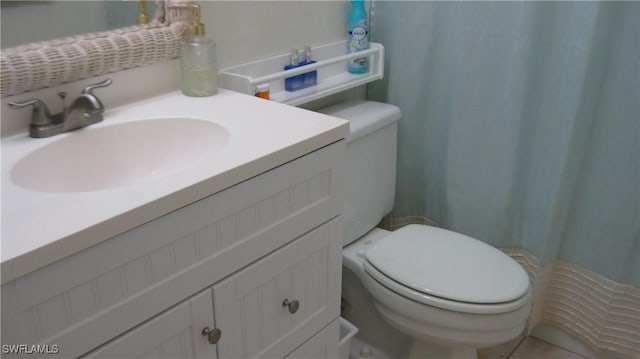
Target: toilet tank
<point>370,164</point>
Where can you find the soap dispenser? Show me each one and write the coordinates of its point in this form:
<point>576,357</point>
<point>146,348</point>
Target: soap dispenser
<point>199,71</point>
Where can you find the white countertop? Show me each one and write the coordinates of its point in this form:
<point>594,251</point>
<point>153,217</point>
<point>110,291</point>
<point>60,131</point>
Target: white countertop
<point>39,228</point>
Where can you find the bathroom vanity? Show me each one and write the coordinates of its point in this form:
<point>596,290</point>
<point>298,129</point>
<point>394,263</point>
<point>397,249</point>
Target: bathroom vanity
<point>235,254</point>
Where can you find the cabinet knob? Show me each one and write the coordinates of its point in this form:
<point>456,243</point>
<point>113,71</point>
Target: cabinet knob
<point>292,305</point>
<point>213,335</point>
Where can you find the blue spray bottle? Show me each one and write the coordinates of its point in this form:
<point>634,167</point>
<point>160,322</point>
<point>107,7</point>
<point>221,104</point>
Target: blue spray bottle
<point>358,36</point>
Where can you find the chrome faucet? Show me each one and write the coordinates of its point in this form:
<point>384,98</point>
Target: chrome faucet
<point>85,110</point>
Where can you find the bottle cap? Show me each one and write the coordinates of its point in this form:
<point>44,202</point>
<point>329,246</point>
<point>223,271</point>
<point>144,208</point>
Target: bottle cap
<point>196,27</point>
<point>307,53</point>
<point>294,58</point>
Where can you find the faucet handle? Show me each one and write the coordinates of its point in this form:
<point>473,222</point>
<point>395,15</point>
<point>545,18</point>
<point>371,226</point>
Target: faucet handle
<point>89,88</point>
<point>40,115</point>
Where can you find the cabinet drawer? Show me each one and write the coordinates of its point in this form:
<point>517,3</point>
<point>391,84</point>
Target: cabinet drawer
<point>174,334</point>
<point>249,306</point>
<point>92,296</point>
<point>322,345</point>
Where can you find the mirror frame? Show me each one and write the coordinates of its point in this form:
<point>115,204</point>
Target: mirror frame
<point>44,64</point>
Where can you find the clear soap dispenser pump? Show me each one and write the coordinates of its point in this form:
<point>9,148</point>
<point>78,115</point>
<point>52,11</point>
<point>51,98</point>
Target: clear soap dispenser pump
<point>199,70</point>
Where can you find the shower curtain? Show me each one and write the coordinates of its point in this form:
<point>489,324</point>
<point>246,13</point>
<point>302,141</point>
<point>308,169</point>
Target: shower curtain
<point>521,127</point>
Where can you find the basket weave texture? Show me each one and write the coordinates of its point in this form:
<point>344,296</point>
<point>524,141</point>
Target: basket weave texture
<point>50,63</point>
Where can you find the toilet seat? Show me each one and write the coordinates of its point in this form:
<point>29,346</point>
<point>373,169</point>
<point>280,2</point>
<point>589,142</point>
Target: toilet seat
<point>462,307</point>
<point>448,270</point>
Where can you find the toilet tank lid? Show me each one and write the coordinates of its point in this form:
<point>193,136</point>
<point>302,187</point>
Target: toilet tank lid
<point>364,117</point>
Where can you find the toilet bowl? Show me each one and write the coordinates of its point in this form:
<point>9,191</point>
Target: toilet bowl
<point>443,327</point>
<point>449,292</point>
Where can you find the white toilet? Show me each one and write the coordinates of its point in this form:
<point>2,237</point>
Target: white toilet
<point>451,293</point>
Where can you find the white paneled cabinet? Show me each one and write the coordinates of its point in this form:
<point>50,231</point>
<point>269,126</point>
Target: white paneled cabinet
<point>251,307</point>
<point>176,333</point>
<point>321,345</point>
<point>251,315</point>
<point>226,262</point>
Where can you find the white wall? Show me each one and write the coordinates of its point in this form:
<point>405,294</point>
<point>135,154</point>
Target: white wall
<point>243,31</point>
<point>249,30</point>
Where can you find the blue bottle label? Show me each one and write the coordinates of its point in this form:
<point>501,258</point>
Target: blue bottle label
<point>358,41</point>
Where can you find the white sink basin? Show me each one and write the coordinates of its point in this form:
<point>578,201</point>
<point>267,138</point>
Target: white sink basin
<point>99,158</point>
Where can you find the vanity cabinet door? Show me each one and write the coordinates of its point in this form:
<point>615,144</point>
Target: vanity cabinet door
<point>281,301</point>
<point>322,345</point>
<point>176,333</point>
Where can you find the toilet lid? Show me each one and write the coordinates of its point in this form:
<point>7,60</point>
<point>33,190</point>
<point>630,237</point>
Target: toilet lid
<point>448,265</point>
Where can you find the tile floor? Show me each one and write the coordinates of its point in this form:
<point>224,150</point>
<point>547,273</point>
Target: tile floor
<point>527,348</point>
<point>519,348</point>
